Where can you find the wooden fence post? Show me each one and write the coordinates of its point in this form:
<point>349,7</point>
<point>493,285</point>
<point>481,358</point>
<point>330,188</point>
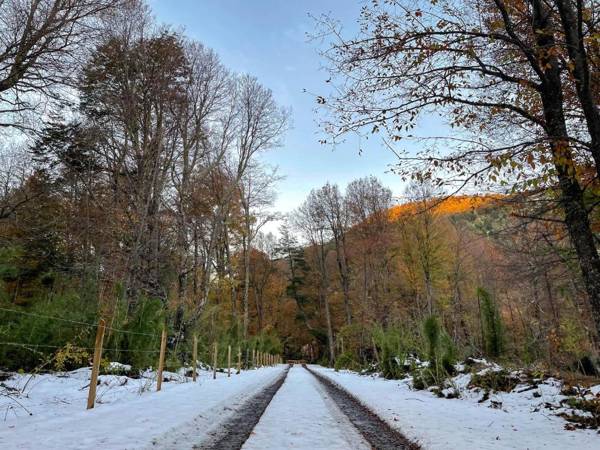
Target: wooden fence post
<point>195,357</point>
<point>161,359</point>
<point>239,364</point>
<point>96,363</point>
<point>215,355</point>
<point>253,357</point>
<point>228,361</point>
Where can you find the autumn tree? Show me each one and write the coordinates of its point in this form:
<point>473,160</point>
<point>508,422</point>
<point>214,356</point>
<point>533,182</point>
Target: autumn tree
<point>511,79</point>
<point>130,89</point>
<point>421,235</point>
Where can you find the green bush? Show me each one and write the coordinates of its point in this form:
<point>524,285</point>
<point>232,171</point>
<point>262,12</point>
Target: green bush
<point>449,354</point>
<point>39,335</point>
<point>70,358</point>
<point>491,323</point>
<point>346,361</point>
<point>394,344</point>
<point>139,344</point>
<point>441,353</point>
<point>431,330</point>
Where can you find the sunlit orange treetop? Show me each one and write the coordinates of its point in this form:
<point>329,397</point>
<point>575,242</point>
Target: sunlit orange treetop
<point>452,205</point>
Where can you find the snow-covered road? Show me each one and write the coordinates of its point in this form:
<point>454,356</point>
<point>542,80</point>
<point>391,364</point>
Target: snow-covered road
<point>303,416</point>
<point>179,417</point>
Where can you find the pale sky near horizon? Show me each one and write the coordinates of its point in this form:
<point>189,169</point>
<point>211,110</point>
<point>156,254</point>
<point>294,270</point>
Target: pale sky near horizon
<point>267,39</point>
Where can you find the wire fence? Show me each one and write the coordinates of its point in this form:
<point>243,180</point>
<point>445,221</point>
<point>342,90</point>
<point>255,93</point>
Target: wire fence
<point>104,349</point>
<point>41,348</point>
<point>78,322</point>
<point>108,349</point>
<point>259,359</point>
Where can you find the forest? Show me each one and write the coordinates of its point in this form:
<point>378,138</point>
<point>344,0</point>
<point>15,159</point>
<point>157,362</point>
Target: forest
<point>133,189</point>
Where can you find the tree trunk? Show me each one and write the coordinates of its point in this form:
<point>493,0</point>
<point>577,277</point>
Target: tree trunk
<point>246,243</point>
<point>323,296</point>
<point>576,215</point>
<point>342,263</point>
<point>573,33</point>
<point>329,326</point>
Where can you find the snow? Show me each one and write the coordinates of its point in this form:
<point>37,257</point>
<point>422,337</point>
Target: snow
<point>116,366</point>
<point>521,422</point>
<point>302,416</point>
<point>129,413</point>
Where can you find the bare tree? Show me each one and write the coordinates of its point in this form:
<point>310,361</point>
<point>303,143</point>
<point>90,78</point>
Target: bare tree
<point>258,124</point>
<point>257,195</point>
<point>310,220</point>
<point>15,168</point>
<point>204,125</point>
<point>420,228</point>
<point>334,210</point>
<point>42,43</point>
<point>368,203</point>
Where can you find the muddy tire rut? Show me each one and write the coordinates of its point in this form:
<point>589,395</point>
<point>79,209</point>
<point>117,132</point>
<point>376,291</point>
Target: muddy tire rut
<point>377,433</point>
<point>236,429</point>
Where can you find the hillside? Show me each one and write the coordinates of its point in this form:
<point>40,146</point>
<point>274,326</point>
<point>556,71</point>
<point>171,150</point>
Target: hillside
<point>452,205</point>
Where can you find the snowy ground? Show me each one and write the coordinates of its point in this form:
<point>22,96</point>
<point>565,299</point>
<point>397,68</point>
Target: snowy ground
<point>302,416</point>
<point>129,414</point>
<point>438,423</point>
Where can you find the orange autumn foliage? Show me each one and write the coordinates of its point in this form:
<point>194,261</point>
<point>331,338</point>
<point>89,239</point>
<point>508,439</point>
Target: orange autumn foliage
<point>452,205</point>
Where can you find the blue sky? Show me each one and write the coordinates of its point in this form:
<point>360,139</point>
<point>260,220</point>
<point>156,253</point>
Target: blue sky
<point>267,38</point>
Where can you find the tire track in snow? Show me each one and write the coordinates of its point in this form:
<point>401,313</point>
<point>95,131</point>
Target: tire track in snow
<point>303,416</point>
<point>232,434</point>
<point>377,432</point>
